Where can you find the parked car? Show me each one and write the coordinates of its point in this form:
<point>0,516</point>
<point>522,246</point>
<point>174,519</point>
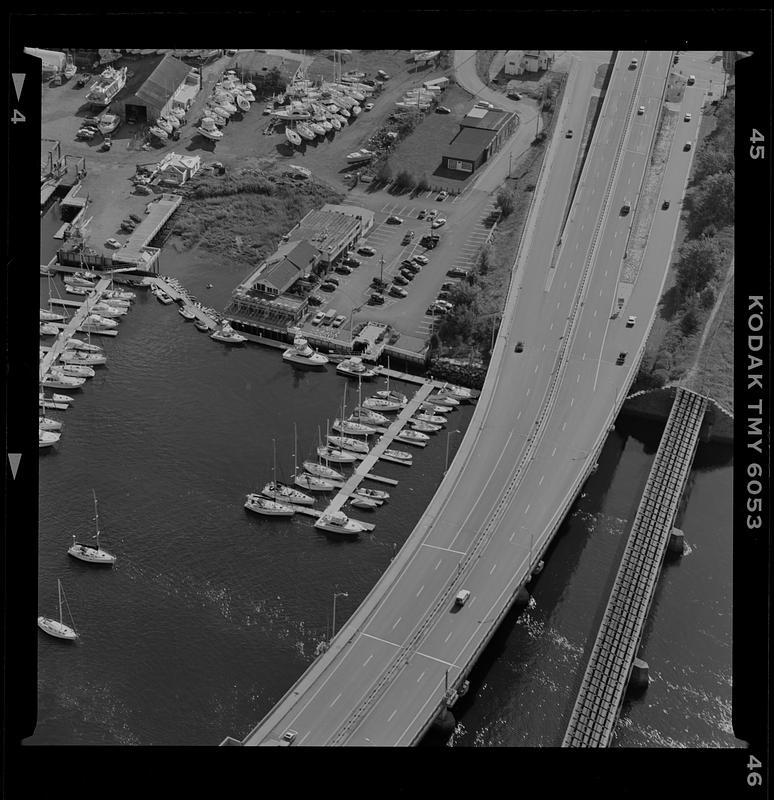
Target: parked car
<point>83,79</point>
<point>621,358</point>
<point>412,268</point>
<point>519,347</point>
<point>397,291</point>
<point>368,107</point>
<point>328,287</point>
<point>514,95</point>
<point>457,272</point>
<point>393,220</point>
<point>113,244</point>
<point>379,283</point>
<point>314,300</point>
<point>407,262</point>
<point>437,223</point>
<point>631,322</point>
<point>366,251</point>
<point>383,75</point>
<point>434,310</point>
<point>442,110</point>
<point>332,279</point>
<point>407,274</point>
<point>687,116</point>
<point>422,214</point>
<point>665,205</point>
<point>446,285</point>
<point>135,218</point>
<point>441,196</point>
<point>318,318</point>
<point>568,135</point>
<point>444,294</point>
<point>400,280</point>
<point>352,262</point>
<point>432,213</point>
<point>343,269</point>
<point>375,299</point>
<point>408,237</point>
<point>337,323</point>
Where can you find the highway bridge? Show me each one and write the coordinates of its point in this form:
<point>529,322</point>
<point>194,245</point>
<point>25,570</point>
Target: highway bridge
<point>542,417</point>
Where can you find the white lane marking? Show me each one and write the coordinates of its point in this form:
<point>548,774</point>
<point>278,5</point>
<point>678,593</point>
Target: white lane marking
<point>430,698</point>
<point>536,367</point>
<point>439,660</point>
<point>518,415</point>
<point>540,482</point>
<point>389,719</point>
<point>421,589</point>
<point>589,334</point>
<point>449,549</point>
<point>371,636</point>
<point>368,659</point>
<point>552,327</point>
<point>448,636</point>
<point>595,312</point>
<point>527,508</point>
<point>543,350</point>
<point>572,400</point>
<point>304,737</point>
<point>577,380</point>
<point>564,285</point>
<point>395,625</point>
<point>511,537</point>
<point>528,391</point>
<point>335,700</point>
<point>494,567</point>
<point>419,679</point>
<point>558,304</point>
<point>438,564</point>
<point>553,453</point>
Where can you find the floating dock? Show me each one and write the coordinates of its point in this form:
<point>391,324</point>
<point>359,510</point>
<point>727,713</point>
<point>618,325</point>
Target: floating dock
<point>183,299</point>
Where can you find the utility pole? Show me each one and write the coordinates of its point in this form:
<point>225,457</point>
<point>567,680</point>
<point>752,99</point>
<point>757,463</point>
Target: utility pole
<point>333,626</point>
<point>381,267</point>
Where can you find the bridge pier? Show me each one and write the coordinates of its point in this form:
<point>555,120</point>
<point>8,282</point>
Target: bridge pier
<point>444,724</point>
<point>676,542</point>
<point>638,679</point>
<point>522,598</point>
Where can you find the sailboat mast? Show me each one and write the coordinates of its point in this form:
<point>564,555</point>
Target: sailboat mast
<point>274,467</point>
<point>295,448</point>
<point>59,587</point>
<point>96,517</point>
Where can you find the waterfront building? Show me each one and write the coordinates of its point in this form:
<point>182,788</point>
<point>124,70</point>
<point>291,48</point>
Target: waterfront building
<point>483,131</point>
<point>332,229</point>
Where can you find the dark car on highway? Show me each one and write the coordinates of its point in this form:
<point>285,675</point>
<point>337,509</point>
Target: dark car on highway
<point>621,358</point>
<point>519,347</point>
<point>665,205</point>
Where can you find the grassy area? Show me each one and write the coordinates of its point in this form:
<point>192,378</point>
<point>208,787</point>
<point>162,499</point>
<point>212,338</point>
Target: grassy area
<point>393,62</point>
<point>602,76</point>
<point>715,367</point>
<point>675,89</point>
<point>244,216</point>
<point>484,60</point>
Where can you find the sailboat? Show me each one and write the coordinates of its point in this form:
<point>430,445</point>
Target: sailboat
<point>57,628</point>
<point>281,491</point>
<point>292,137</point>
<point>94,554</point>
<point>267,508</point>
<point>312,483</point>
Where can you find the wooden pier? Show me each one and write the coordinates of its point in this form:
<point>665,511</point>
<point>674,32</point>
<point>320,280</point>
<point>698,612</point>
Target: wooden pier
<point>183,298</point>
<point>607,674</point>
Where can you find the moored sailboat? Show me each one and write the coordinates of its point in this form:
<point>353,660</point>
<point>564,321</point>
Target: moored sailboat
<point>57,628</point>
<point>94,554</point>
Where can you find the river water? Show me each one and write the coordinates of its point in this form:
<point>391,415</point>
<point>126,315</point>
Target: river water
<point>211,613</point>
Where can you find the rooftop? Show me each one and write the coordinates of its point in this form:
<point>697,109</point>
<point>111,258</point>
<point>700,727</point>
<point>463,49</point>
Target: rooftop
<point>324,228</point>
<point>469,143</point>
<point>163,82</point>
<point>486,119</point>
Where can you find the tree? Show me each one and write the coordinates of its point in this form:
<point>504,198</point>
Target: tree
<point>689,323</point>
<point>506,201</point>
<point>707,298</point>
<point>384,173</point>
<point>700,260</point>
<point>423,185</point>
<point>485,260</point>
<point>711,159</point>
<point>713,201</point>
<point>404,180</point>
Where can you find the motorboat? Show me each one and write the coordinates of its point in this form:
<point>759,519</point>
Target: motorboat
<point>201,326</point>
<point>313,483</point>
<point>86,347</point>
<point>382,404</point>
<point>173,121</point>
<point>339,522</point>
<point>49,329</point>
<point>47,424</point>
<point>108,311</point>
<point>95,322</point>
<point>108,123</point>
<point>348,443</point>
<point>434,419</point>
<point>117,294</point>
<point>79,357</point>
<point>223,101</point>
<point>305,131</point>
<point>251,86</point>
<point>399,455</point>
<point>425,427</point>
<point>246,93</point>
<point>317,128</point>
<point>335,455</point>
<point>228,335</point>
<point>242,102</point>
<point>116,303</point>
<point>159,133</point>
<point>368,417</point>
<point>268,508</point>
<point>392,396</point>
<point>219,116</point>
<point>107,86</point>
<point>364,502</point>
<point>79,290</point>
<point>444,400</point>
<point>356,110</point>
<point>326,124</point>
<point>301,353</point>
<point>431,408</point>
<point>75,371</point>
<point>354,367</point>
<point>186,313</point>
<point>282,492</point>
<point>57,628</point>
<point>164,298</point>
<point>47,438</point>
<point>50,316</point>
<point>373,494</point>
<point>360,156</point>
<point>164,125</point>
<point>209,129</point>
<point>321,471</point>
<point>347,426</point>
<point>55,400</point>
<point>94,554</point>
<point>292,137</point>
<point>411,436</point>
<point>335,122</point>
<point>59,381</point>
<point>460,393</point>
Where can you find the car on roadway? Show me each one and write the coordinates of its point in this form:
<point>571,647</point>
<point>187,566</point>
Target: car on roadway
<point>314,300</point>
<point>421,260</point>
<point>461,597</point>
<point>288,738</point>
<point>568,135</point>
<point>318,318</point>
<point>691,80</point>
<point>437,223</point>
<point>422,214</point>
<point>519,347</point>
<point>343,269</point>
<point>400,280</point>
<point>621,358</point>
<point>397,291</point>
<point>514,95</point>
<point>442,195</point>
<point>631,322</point>
<point>368,107</point>
<point>113,243</point>
<point>665,205</point>
<point>366,250</point>
<point>687,146</point>
<point>687,116</point>
<point>337,323</point>
<point>443,110</point>
<point>633,64</point>
<point>641,110</point>
<point>351,262</point>
<point>383,75</point>
<point>626,208</point>
<point>375,299</point>
<point>393,220</point>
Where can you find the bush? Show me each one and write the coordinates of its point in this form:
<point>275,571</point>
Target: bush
<point>539,139</point>
<point>707,298</point>
<point>423,185</point>
<point>700,260</point>
<point>404,180</point>
<point>659,377</point>
<point>689,323</point>
<point>506,201</point>
<point>384,173</point>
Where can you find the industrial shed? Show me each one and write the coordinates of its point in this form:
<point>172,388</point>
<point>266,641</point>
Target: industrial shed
<point>147,100</point>
<point>482,133</point>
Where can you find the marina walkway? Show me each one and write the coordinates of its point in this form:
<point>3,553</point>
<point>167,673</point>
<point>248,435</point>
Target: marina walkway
<point>181,296</point>
<point>607,674</point>
<point>73,324</point>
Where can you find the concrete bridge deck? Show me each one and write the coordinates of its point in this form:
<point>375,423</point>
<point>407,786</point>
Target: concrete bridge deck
<point>604,682</point>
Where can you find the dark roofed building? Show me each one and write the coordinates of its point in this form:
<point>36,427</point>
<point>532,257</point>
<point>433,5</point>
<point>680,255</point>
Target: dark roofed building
<point>482,133</point>
<point>291,261</point>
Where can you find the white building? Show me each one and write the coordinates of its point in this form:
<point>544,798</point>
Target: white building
<point>520,61</point>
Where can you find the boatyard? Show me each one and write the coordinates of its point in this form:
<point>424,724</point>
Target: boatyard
<point>263,477</point>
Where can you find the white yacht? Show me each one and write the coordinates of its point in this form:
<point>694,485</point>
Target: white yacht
<point>209,129</point>
<point>58,381</point>
<point>399,455</point>
<point>444,400</point>
<point>266,507</point>
<point>364,502</point>
<point>338,522</point>
<point>313,483</point>
<point>292,137</point>
<point>95,322</point>
<point>78,357</point>
<point>75,370</point>
<point>55,627</point>
<point>382,404</point>
<point>55,401</point>
<point>392,396</point>
<point>108,311</point>
<point>425,427</point>
<point>461,393</point>
<point>282,492</point>
<point>348,443</point>
<point>321,471</point>
<point>335,455</point>
<point>353,367</point>
<point>228,335</point>
<point>117,294</point>
<point>186,314</point>
<point>373,494</point>
<point>368,417</point>
<point>47,438</point>
<point>78,280</point>
<point>108,123</point>
<point>94,554</point>
<point>360,156</point>
<point>356,428</point>
<point>79,344</point>
<point>46,424</point>
<point>431,408</point>
<point>434,419</point>
<point>412,437</point>
<point>301,353</point>
<point>79,290</point>
<point>50,316</point>
<point>49,329</point>
<point>107,86</point>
